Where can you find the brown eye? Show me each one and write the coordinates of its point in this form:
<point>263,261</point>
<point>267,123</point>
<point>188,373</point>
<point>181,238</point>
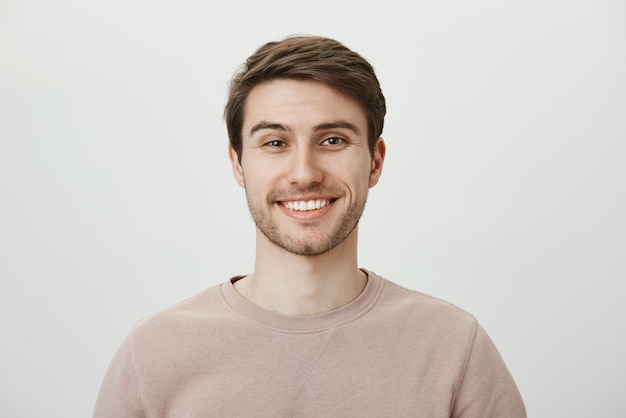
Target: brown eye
<point>333,140</point>
<point>275,143</point>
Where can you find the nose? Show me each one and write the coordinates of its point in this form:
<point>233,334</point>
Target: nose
<point>304,167</point>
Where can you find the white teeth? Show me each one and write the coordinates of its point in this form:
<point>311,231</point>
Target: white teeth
<point>304,206</point>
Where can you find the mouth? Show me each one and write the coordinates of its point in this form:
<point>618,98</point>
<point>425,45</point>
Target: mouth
<point>306,205</point>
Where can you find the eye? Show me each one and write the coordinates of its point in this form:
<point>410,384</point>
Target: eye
<point>333,140</point>
<point>274,143</point>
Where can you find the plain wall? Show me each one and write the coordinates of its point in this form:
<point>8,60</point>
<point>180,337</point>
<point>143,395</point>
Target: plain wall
<point>503,190</point>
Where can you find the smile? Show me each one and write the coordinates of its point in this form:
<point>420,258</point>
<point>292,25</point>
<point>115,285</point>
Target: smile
<point>304,206</point>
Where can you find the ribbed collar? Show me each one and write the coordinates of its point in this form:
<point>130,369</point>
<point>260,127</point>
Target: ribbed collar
<point>305,323</point>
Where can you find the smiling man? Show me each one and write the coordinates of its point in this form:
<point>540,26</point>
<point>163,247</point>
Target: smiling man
<point>308,333</point>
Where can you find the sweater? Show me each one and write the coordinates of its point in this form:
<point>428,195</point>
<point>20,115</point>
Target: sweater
<point>391,352</point>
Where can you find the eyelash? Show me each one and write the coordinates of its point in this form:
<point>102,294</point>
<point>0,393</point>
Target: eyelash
<point>276,143</point>
<point>338,139</point>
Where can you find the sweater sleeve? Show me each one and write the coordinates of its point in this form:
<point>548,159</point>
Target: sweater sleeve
<point>486,388</point>
<point>120,394</point>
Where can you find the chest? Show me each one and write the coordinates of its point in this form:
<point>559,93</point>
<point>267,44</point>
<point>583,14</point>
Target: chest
<point>339,373</point>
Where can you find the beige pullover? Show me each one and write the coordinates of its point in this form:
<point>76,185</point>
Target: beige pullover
<point>391,352</point>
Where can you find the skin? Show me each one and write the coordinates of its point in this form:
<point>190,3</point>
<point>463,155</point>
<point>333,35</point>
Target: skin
<point>304,141</point>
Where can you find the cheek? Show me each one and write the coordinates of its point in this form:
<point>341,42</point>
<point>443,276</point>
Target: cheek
<point>259,177</point>
<point>357,179</point>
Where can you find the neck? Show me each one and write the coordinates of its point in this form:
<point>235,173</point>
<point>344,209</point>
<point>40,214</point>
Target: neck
<point>290,284</point>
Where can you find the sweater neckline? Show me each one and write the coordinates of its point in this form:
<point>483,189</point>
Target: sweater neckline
<point>305,323</point>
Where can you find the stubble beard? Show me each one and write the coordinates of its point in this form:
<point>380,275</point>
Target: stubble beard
<point>314,246</point>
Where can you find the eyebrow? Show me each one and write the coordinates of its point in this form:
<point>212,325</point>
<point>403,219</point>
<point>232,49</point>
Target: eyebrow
<point>339,124</point>
<point>268,125</point>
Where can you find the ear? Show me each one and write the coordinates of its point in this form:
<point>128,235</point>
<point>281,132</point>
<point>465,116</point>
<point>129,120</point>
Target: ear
<point>380,149</point>
<point>234,162</point>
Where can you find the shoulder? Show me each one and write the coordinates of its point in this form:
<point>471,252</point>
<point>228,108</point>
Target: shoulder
<point>422,307</point>
<point>181,320</point>
<point>430,325</point>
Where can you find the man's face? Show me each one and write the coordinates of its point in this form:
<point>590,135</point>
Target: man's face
<point>305,164</point>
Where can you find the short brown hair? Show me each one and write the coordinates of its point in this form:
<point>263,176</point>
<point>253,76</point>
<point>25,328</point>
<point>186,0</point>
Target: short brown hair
<point>310,58</point>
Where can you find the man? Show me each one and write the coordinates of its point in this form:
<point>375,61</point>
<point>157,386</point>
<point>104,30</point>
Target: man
<point>308,333</point>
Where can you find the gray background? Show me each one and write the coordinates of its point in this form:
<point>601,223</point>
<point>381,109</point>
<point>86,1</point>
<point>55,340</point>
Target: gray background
<point>503,191</point>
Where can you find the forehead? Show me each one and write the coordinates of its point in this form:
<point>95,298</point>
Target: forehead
<point>300,104</point>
